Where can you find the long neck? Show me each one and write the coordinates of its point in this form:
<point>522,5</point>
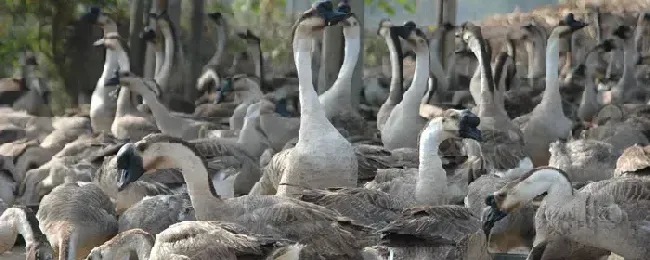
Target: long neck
<point>250,137</point>
<point>256,54</point>
<point>163,77</point>
<point>559,189</point>
<point>196,176</point>
<point>589,94</point>
<point>124,105</point>
<point>419,84</point>
<point>432,179</point>
<point>160,55</point>
<point>551,95</point>
<point>111,63</point>
<point>629,71</point>
<point>538,66</point>
<point>164,120</point>
<point>309,104</point>
<point>487,106</point>
<point>221,43</point>
<point>438,71</point>
<point>397,69</point>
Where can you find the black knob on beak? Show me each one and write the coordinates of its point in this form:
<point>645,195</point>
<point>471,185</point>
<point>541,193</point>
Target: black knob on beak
<point>490,201</point>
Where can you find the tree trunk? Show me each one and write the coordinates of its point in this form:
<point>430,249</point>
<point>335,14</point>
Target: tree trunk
<point>136,44</point>
<point>150,55</point>
<point>196,34</point>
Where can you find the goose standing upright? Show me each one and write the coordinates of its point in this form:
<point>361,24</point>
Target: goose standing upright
<point>404,124</point>
<point>337,100</point>
<point>547,123</point>
<point>322,157</point>
<point>103,100</point>
<point>397,71</point>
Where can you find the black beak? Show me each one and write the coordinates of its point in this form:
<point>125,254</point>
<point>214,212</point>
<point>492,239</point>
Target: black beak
<point>92,16</point>
<point>124,180</point>
<point>114,81</point>
<point>148,34</point>
<point>334,17</point>
<point>608,45</point>
<point>492,215</point>
<point>468,126</point>
<point>215,16</point>
<point>401,31</point>
<point>621,32</point>
<point>579,70</point>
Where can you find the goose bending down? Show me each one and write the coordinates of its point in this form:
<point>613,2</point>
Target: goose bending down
<point>76,219</point>
<point>589,106</point>
<point>547,123</point>
<point>610,214</point>
<point>397,71</point>
<point>337,100</point>
<point>133,242</point>
<point>281,217</point>
<point>322,157</point>
<point>170,124</point>
<point>103,100</point>
<point>430,186</point>
<point>219,240</point>
<point>403,125</point>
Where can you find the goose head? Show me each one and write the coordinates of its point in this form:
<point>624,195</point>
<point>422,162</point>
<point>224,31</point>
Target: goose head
<point>316,18</point>
<point>97,17</point>
<point>148,34</point>
<point>534,183</point>
<point>130,165</point>
<point>452,122</point>
<point>623,32</point>
<point>216,17</point>
<point>249,36</point>
<point>135,83</point>
<point>569,25</point>
<point>384,27</point>
<point>413,36</point>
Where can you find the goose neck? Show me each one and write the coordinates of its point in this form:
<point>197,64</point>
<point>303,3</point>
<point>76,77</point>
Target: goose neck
<point>170,45</point>
<point>195,175</point>
<point>123,102</point>
<point>351,51</point>
<point>538,60</point>
<point>557,186</point>
<point>309,104</point>
<point>486,102</point>
<point>589,94</point>
<point>419,84</point>
<point>397,69</point>
<point>221,43</point>
<point>432,179</point>
<point>256,54</point>
<point>551,95</point>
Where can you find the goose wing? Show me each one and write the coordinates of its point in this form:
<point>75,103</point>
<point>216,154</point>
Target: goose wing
<point>632,195</point>
<point>635,160</point>
<point>157,213</point>
<point>368,207</point>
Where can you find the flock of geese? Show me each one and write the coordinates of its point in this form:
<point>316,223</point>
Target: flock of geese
<point>452,165</point>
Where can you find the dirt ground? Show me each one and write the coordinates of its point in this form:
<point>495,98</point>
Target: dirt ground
<point>18,253</point>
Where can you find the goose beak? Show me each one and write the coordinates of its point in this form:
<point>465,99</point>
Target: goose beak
<point>334,17</point>
<point>31,61</point>
<point>218,97</point>
<point>114,81</point>
<point>468,126</point>
<point>489,217</point>
<point>92,16</point>
<point>401,31</point>
<point>124,180</point>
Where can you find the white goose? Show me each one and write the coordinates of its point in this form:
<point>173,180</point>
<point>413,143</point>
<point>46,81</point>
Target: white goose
<point>397,72</point>
<point>403,125</point>
<point>103,100</point>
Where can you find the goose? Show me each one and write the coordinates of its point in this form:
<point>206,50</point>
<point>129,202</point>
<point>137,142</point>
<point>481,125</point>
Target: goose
<point>535,44</point>
<point>13,221</point>
<point>633,162</point>
<point>11,89</point>
<point>124,245</point>
<point>265,215</point>
<point>128,123</point>
<point>168,123</point>
<point>322,157</point>
<point>33,94</point>
<point>213,70</point>
<point>503,148</point>
<point>589,106</point>
<point>103,100</point>
<point>547,123</point>
<point>219,240</point>
<point>155,214</point>
<point>76,218</point>
<point>584,160</point>
<point>623,91</point>
<point>337,100</point>
<point>415,189</point>
<point>397,72</point>
<point>440,232</point>
<point>403,124</point>
<point>615,218</point>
